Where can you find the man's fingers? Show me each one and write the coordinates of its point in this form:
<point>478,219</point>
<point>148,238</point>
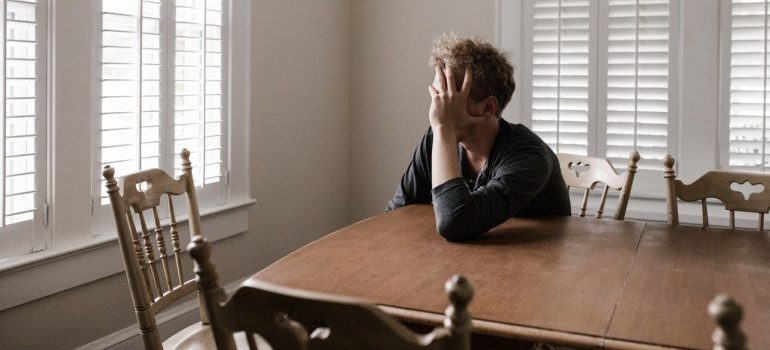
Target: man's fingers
<point>466,89</point>
<point>441,79</point>
<point>432,91</point>
<point>450,79</point>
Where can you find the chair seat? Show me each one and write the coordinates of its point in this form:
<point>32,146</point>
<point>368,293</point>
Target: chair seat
<point>199,337</point>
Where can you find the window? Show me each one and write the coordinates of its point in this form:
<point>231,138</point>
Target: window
<point>599,77</point>
<point>162,90</point>
<point>748,87</point>
<point>24,127</point>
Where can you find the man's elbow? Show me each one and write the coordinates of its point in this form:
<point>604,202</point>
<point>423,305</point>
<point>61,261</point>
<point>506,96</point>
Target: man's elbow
<point>453,230</point>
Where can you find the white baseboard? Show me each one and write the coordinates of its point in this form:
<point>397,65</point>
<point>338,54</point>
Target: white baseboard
<point>170,321</point>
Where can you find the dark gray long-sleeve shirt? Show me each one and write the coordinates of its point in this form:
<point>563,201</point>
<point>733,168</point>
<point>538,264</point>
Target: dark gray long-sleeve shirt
<point>521,178</point>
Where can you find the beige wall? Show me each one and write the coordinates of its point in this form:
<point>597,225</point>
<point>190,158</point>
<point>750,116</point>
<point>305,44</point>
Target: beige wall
<point>299,135</point>
<point>389,74</point>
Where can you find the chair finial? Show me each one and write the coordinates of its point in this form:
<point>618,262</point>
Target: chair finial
<point>633,157</point>
<point>460,293</point>
<point>459,290</point>
<point>727,314</point>
<point>185,155</point>
<point>109,174</point>
<point>200,250</point>
<point>668,162</point>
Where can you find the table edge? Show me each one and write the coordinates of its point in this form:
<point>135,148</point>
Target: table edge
<point>500,329</point>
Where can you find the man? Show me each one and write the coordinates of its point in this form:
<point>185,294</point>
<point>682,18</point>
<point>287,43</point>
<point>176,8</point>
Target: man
<point>476,168</point>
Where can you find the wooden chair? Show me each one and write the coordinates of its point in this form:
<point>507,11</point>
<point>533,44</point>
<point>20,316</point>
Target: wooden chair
<point>302,320</point>
<point>585,172</point>
<point>727,314</point>
<point>719,185</point>
<point>155,281</point>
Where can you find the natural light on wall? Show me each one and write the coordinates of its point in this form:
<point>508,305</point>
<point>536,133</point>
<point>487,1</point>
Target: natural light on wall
<point>748,85</point>
<point>155,103</point>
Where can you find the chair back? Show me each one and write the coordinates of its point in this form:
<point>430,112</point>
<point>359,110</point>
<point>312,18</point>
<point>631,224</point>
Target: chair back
<point>301,320</point>
<point>719,185</point>
<point>586,172</point>
<point>156,281</point>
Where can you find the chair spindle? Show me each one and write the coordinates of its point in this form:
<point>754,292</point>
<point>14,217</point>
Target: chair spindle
<point>175,240</point>
<point>732,219</point>
<point>705,212</point>
<point>584,204</point>
<point>162,248</point>
<point>140,255</point>
<point>600,210</point>
<point>149,253</point>
<point>761,223</point>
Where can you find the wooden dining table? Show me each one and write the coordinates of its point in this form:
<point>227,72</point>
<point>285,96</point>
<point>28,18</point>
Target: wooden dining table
<point>575,281</point>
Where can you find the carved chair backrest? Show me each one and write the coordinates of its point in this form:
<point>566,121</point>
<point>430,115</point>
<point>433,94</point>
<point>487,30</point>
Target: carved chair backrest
<point>301,320</point>
<point>586,172</point>
<point>722,185</point>
<point>155,276</point>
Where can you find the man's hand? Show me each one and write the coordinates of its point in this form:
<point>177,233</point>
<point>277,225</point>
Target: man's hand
<point>448,111</point>
<point>449,106</point>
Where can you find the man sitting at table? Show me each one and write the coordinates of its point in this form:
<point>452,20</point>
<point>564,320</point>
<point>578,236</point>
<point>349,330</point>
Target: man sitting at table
<point>476,168</point>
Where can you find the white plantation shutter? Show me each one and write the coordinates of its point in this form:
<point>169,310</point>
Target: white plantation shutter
<point>198,91</point>
<point>560,73</point>
<point>162,87</point>
<point>637,81</point>
<point>600,77</point>
<point>131,86</point>
<point>23,130</point>
<point>748,85</point>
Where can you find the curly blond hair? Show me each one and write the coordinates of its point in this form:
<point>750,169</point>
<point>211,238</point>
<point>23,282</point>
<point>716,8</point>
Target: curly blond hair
<point>492,73</point>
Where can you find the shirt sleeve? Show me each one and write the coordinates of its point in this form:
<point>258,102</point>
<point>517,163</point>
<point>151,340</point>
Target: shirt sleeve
<point>462,214</point>
<point>415,184</point>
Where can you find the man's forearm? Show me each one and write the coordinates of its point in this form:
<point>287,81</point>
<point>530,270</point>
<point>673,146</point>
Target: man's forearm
<point>444,161</point>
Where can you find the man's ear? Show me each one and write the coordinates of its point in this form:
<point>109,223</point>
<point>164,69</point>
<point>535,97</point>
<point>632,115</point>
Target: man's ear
<point>491,106</point>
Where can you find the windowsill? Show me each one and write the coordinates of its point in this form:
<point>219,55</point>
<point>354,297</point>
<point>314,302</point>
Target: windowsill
<point>37,275</point>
